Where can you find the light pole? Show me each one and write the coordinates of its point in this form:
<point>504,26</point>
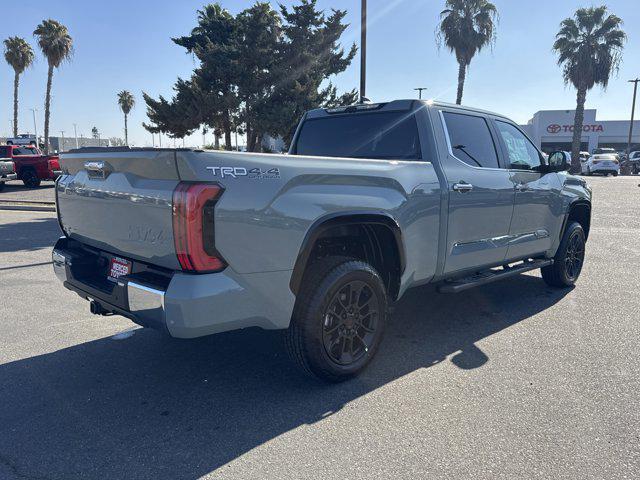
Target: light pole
<point>363,51</point>
<point>419,90</point>
<point>35,125</point>
<point>633,111</point>
<point>75,133</point>
<point>62,144</point>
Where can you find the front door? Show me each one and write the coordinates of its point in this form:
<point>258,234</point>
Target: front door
<point>535,222</point>
<point>481,193</point>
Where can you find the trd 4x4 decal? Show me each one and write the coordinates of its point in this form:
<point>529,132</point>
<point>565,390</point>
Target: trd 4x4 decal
<point>238,172</point>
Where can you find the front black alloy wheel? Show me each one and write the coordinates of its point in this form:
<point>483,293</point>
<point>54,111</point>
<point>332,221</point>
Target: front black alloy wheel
<point>574,256</point>
<point>569,258</point>
<point>339,318</point>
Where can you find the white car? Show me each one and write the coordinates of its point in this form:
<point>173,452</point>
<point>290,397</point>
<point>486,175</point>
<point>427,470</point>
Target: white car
<point>23,139</point>
<point>605,163</point>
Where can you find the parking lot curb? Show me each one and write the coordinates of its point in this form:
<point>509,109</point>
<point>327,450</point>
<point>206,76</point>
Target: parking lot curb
<point>28,206</point>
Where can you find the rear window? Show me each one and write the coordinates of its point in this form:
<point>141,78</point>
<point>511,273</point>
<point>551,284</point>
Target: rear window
<point>382,135</point>
<point>25,151</point>
<point>471,140</point>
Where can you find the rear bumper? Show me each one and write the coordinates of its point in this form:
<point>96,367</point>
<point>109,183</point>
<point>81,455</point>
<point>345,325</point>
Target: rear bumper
<point>144,302</point>
<point>8,176</point>
<point>187,305</point>
<point>605,168</point>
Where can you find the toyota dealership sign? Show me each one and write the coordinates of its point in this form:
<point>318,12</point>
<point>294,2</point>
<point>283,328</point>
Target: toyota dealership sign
<point>556,128</point>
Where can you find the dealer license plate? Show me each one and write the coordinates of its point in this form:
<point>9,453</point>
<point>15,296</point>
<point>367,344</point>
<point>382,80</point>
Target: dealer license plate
<point>119,267</point>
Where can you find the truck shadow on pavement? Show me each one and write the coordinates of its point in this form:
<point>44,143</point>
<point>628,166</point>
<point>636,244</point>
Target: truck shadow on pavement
<point>149,407</point>
<point>29,235</point>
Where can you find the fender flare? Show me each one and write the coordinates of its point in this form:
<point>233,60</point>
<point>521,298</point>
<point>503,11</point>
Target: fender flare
<point>326,222</point>
<point>576,203</point>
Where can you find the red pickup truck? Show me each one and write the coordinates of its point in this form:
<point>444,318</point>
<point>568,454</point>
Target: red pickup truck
<point>31,165</point>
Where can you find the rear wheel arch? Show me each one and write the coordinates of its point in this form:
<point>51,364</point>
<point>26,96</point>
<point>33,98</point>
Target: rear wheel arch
<point>373,237</point>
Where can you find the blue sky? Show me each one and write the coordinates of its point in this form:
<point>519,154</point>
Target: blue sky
<point>126,45</point>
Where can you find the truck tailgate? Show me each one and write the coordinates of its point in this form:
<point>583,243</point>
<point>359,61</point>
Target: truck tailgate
<point>121,202</point>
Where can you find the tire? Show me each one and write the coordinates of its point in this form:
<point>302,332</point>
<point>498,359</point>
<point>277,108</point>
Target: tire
<point>30,179</point>
<point>615,174</point>
<point>322,327</point>
<point>569,259</point>
<point>9,143</point>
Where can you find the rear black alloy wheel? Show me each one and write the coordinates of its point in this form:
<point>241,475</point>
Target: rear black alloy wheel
<point>350,323</point>
<point>338,320</point>
<point>30,179</point>
<point>569,259</point>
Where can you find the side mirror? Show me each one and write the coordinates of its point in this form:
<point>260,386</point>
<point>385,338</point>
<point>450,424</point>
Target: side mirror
<point>559,162</point>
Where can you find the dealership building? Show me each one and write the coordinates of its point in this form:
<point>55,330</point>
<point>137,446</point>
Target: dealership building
<point>552,130</point>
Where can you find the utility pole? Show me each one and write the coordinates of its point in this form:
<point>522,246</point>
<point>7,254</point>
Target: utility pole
<point>75,132</point>
<point>363,51</point>
<point>420,89</point>
<point>633,111</point>
<point>62,144</point>
<point>35,125</point>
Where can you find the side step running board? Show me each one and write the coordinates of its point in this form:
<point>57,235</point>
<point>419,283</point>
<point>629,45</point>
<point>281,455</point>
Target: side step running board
<point>493,275</point>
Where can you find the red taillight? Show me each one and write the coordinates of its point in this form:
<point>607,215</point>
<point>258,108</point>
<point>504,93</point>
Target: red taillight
<point>193,227</point>
<point>54,164</point>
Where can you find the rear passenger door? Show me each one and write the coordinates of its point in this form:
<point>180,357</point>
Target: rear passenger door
<point>481,193</point>
<point>536,221</point>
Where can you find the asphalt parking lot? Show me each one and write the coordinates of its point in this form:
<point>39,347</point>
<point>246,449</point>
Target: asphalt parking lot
<point>511,380</point>
<point>16,192</point>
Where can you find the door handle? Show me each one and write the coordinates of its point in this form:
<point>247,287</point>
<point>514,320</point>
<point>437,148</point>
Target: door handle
<point>462,187</point>
<point>522,187</point>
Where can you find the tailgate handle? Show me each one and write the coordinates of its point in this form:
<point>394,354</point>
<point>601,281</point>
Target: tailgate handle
<point>97,169</point>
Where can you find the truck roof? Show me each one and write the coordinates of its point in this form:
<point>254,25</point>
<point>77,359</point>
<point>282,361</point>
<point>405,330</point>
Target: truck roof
<point>401,104</point>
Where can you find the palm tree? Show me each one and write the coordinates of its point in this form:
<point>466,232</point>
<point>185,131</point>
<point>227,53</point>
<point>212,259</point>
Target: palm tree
<point>95,133</point>
<point>19,55</point>
<point>126,102</point>
<point>466,27</point>
<point>589,48</point>
<point>57,46</point>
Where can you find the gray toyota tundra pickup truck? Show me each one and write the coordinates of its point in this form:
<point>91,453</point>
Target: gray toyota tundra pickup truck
<point>371,200</point>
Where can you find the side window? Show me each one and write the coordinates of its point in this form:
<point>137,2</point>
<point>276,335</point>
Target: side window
<point>471,140</point>
<point>4,152</point>
<point>521,152</point>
